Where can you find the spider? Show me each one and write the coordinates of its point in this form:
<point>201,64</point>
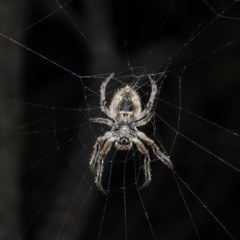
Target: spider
<point>126,115</point>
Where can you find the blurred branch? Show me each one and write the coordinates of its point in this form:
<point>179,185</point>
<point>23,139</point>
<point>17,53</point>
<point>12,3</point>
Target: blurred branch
<point>12,16</point>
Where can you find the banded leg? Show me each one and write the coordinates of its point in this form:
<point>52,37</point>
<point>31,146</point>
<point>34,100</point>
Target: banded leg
<point>150,103</point>
<point>145,120</point>
<point>100,159</point>
<point>102,120</point>
<point>96,151</point>
<point>165,159</point>
<point>103,97</point>
<point>146,166</point>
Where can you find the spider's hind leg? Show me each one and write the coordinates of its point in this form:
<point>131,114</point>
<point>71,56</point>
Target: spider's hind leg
<point>103,97</point>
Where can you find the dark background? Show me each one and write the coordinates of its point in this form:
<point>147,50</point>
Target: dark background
<point>46,141</point>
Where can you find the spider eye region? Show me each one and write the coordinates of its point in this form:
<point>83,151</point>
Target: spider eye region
<point>124,131</point>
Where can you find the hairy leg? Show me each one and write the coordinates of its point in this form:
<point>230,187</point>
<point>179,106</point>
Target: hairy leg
<point>103,97</point>
<point>99,171</point>
<point>102,120</point>
<point>165,159</point>
<point>146,166</point>
<point>149,106</point>
<point>96,150</point>
<point>145,120</point>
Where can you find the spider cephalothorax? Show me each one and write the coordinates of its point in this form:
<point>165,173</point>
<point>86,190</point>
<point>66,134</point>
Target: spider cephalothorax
<point>126,115</point>
<point>122,132</point>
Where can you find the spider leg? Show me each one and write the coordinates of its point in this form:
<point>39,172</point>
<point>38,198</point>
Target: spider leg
<point>99,171</point>
<point>146,167</point>
<point>96,151</point>
<point>145,120</point>
<point>149,106</point>
<point>165,159</point>
<point>102,120</point>
<point>103,97</point>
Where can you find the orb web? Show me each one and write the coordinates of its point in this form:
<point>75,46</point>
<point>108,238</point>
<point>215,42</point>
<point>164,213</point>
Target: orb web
<point>55,56</point>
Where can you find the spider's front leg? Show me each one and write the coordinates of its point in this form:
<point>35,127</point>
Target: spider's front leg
<point>96,150</point>
<point>98,157</point>
<point>146,167</point>
<point>102,154</point>
<point>165,159</point>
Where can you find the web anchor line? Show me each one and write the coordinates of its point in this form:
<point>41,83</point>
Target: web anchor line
<point>204,206</point>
